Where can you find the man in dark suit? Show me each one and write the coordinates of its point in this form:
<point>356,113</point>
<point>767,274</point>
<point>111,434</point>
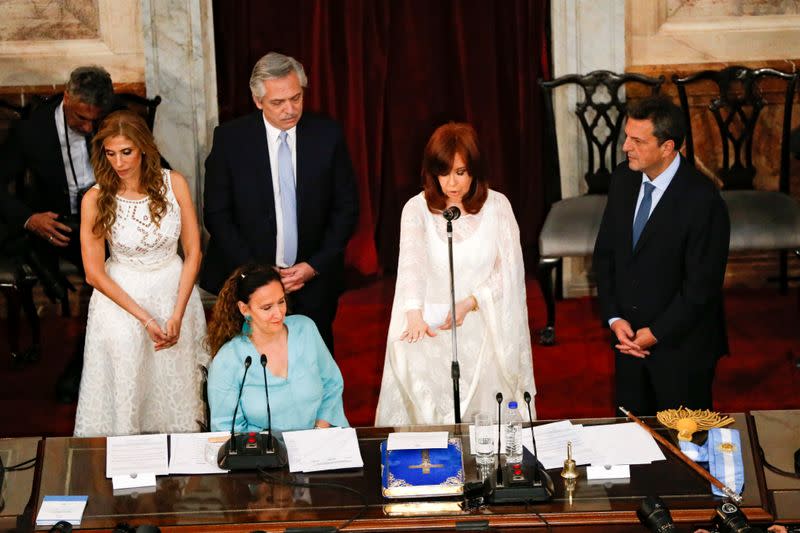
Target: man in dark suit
<point>52,146</point>
<point>659,261</point>
<point>280,188</point>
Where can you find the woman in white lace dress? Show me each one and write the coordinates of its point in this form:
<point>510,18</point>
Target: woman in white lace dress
<point>146,323</point>
<point>494,345</point>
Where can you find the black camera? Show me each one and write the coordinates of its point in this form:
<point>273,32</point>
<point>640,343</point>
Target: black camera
<point>729,518</point>
<point>654,515</point>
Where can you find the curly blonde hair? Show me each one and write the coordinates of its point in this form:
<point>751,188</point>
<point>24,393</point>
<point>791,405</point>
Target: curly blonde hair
<point>130,125</point>
<point>226,319</point>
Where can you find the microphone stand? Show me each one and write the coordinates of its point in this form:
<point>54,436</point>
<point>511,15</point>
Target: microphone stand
<point>455,369</point>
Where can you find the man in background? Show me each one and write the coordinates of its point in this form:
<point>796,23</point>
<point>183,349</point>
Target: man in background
<point>52,145</point>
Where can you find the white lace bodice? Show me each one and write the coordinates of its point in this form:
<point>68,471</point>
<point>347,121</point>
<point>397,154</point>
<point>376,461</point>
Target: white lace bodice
<point>136,240</point>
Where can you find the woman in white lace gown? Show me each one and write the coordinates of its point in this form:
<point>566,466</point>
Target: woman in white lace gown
<point>494,345</point>
<point>146,323</point>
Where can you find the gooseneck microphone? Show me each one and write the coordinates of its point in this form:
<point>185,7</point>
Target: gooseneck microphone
<point>247,362</point>
<point>266,392</point>
<point>499,398</point>
<point>451,213</point>
<point>252,450</point>
<point>527,397</point>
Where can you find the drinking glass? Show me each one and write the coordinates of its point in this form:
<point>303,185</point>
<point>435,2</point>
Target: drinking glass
<point>485,443</point>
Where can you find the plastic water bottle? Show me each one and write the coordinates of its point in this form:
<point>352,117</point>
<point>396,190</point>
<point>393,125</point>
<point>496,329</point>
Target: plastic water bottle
<point>513,431</point>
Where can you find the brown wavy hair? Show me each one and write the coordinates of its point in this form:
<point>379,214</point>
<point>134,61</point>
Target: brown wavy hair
<point>226,319</point>
<point>437,160</point>
<point>130,125</point>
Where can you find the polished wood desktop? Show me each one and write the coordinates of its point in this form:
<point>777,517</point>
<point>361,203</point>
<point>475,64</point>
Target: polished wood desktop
<point>245,502</point>
<point>778,434</point>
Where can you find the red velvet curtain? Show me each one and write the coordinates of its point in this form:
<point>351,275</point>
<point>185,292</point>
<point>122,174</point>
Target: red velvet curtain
<point>391,72</point>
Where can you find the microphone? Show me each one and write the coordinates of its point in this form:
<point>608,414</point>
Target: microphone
<point>247,363</point>
<point>251,450</point>
<point>499,398</point>
<point>266,392</point>
<point>527,397</point>
<point>451,213</point>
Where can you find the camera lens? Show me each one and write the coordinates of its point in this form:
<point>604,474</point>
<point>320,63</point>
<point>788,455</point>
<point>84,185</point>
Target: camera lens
<point>654,515</point>
<point>730,519</point>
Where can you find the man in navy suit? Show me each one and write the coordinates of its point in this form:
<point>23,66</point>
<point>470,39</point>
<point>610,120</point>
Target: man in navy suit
<point>280,188</point>
<point>659,261</point>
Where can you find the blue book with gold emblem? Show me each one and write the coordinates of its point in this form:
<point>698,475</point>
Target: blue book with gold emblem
<point>422,473</point>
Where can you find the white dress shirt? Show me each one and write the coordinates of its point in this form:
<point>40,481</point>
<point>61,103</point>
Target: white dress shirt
<point>272,144</point>
<point>80,159</point>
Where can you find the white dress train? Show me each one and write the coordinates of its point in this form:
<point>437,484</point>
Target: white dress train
<point>494,343</point>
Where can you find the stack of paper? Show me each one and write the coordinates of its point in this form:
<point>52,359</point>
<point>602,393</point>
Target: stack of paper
<point>611,444</point>
<point>57,508</point>
<point>314,450</point>
<point>135,461</point>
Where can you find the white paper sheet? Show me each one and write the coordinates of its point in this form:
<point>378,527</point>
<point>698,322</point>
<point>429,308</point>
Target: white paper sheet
<point>136,454</point>
<point>196,453</point>
<point>608,472</point>
<point>55,508</point>
<point>133,481</point>
<point>622,444</point>
<point>314,450</point>
<point>417,440</point>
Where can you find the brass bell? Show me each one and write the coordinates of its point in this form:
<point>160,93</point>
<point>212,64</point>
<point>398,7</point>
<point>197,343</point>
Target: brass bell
<point>569,471</point>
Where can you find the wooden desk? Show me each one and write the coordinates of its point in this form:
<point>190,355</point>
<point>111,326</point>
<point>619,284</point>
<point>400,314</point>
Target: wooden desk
<point>243,502</point>
<point>18,486</point>
<point>778,433</point>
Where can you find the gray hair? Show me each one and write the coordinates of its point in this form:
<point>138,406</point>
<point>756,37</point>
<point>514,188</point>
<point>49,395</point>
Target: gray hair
<point>92,86</point>
<point>273,66</point>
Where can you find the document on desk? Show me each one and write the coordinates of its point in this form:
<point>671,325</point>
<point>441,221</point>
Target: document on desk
<point>551,443</point>
<point>56,508</point>
<point>315,450</point>
<point>136,454</point>
<point>196,453</point>
<point>622,444</point>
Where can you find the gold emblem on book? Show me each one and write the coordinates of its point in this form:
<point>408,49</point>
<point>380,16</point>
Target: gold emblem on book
<point>426,464</point>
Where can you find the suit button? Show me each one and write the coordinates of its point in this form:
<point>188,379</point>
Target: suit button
<point>635,308</point>
<point>634,283</point>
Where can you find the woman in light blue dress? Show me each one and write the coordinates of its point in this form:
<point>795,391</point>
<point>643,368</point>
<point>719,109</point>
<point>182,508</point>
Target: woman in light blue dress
<point>305,384</point>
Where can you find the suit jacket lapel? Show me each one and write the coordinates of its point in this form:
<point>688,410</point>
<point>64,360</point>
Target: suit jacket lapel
<point>52,147</point>
<point>304,147</point>
<point>630,195</point>
<point>257,151</point>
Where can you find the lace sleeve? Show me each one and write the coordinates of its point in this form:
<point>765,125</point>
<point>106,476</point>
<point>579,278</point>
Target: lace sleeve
<point>413,261</point>
<point>509,259</point>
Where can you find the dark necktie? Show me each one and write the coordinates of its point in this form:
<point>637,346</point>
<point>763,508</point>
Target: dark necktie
<point>644,212</point>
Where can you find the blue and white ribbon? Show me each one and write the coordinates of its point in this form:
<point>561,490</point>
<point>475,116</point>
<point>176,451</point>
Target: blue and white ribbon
<point>723,453</point>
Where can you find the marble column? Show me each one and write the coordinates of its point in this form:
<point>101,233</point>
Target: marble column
<point>587,35</point>
<point>180,67</point>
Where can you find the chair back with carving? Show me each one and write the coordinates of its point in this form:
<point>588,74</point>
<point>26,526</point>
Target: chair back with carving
<point>736,106</point>
<point>601,113</point>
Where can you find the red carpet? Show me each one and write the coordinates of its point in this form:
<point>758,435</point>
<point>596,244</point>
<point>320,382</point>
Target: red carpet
<point>574,378</point>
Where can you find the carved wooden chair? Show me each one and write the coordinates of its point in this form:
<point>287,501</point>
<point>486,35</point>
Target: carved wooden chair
<point>761,220</point>
<point>571,226</point>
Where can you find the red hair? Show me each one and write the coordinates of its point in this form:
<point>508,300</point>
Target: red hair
<point>437,160</point>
